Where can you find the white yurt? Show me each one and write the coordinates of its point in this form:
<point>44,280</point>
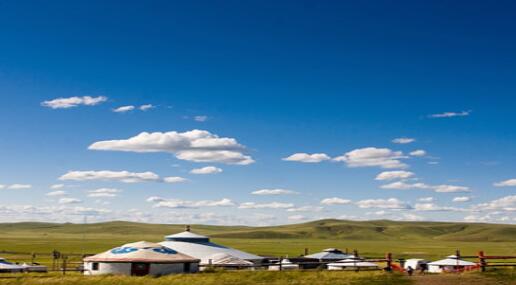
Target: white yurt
<point>451,264</point>
<point>8,267</point>
<point>415,263</point>
<point>284,264</point>
<point>330,254</point>
<point>352,264</point>
<point>139,259</point>
<point>226,261</point>
<point>201,247</point>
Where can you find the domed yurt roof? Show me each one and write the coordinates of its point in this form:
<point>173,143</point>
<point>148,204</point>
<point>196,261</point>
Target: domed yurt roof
<point>141,251</point>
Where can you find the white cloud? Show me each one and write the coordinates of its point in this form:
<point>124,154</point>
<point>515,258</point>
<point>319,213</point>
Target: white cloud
<point>450,189</point>
<point>107,175</point>
<point>297,218</point>
<point>174,179</point>
<point>16,186</point>
<point>335,201</point>
<point>426,199</point>
<point>401,185</point>
<point>65,103</point>
<point>462,199</point>
<point>104,193</point>
<point>179,204</point>
<point>273,192</point>
<point>69,201</point>
<point>146,107</point>
<point>391,175</point>
<point>200,118</point>
<point>506,183</point>
<point>57,193</point>
<point>307,158</point>
<point>410,217</point>
<point>435,208</point>
<point>391,203</point>
<point>418,152</point>
<point>206,170</point>
<point>272,205</point>
<point>450,114</point>
<point>403,140</point>
<point>507,203</point>
<point>124,109</point>
<point>57,186</point>
<point>371,157</point>
<point>305,209</point>
<point>195,145</point>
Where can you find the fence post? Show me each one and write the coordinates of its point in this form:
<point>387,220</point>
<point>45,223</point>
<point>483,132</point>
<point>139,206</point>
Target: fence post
<point>482,261</point>
<point>388,257</point>
<point>64,264</point>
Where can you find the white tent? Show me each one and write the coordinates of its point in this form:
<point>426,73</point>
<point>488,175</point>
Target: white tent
<point>451,263</point>
<point>352,264</point>
<point>8,267</point>
<point>201,247</point>
<point>330,254</point>
<point>415,263</point>
<point>227,261</point>
<point>140,258</point>
<point>285,265</point>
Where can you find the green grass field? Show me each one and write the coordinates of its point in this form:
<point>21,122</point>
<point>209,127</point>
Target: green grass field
<point>371,239</point>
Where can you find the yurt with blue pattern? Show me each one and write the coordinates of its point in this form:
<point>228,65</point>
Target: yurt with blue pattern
<point>139,259</point>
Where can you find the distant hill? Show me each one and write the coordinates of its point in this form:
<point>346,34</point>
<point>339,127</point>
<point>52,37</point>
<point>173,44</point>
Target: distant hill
<point>322,229</point>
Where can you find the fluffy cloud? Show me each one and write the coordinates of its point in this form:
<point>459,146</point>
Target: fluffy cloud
<point>273,192</point>
<point>462,199</point>
<point>450,114</point>
<point>57,186</point>
<point>104,193</point>
<point>434,208</point>
<point>418,152</point>
<point>206,170</point>
<point>69,201</point>
<point>195,145</point>
<point>200,118</point>
<point>391,175</point>
<point>107,175</point>
<point>506,183</point>
<point>391,203</point>
<point>146,107</point>
<point>183,204</point>
<point>507,203</point>
<point>335,201</point>
<point>373,157</point>
<point>174,179</point>
<point>426,199</point>
<point>307,158</point>
<point>273,205</point>
<point>65,103</point>
<point>401,185</point>
<point>57,193</point>
<point>124,109</point>
<point>297,218</point>
<point>403,140</point>
<point>305,209</point>
<point>16,186</point>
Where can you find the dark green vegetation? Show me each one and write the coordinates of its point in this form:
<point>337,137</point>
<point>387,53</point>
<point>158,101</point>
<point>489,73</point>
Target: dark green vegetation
<point>371,238</point>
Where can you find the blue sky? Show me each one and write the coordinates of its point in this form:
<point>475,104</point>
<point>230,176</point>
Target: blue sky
<point>260,81</point>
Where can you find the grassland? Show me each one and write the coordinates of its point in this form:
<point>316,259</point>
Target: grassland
<point>372,239</point>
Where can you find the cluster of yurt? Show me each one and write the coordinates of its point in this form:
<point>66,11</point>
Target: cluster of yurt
<point>184,252</point>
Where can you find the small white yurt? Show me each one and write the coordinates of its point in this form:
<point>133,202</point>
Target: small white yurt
<point>139,259</point>
<point>226,261</point>
<point>201,247</point>
<point>414,263</point>
<point>8,267</point>
<point>284,264</point>
<point>352,264</point>
<point>330,254</point>
<point>451,264</point>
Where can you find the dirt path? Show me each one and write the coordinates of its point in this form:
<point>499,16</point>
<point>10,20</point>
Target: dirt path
<point>459,279</point>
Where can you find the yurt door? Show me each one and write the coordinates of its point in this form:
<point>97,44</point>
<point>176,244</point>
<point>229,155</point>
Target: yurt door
<point>140,269</point>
